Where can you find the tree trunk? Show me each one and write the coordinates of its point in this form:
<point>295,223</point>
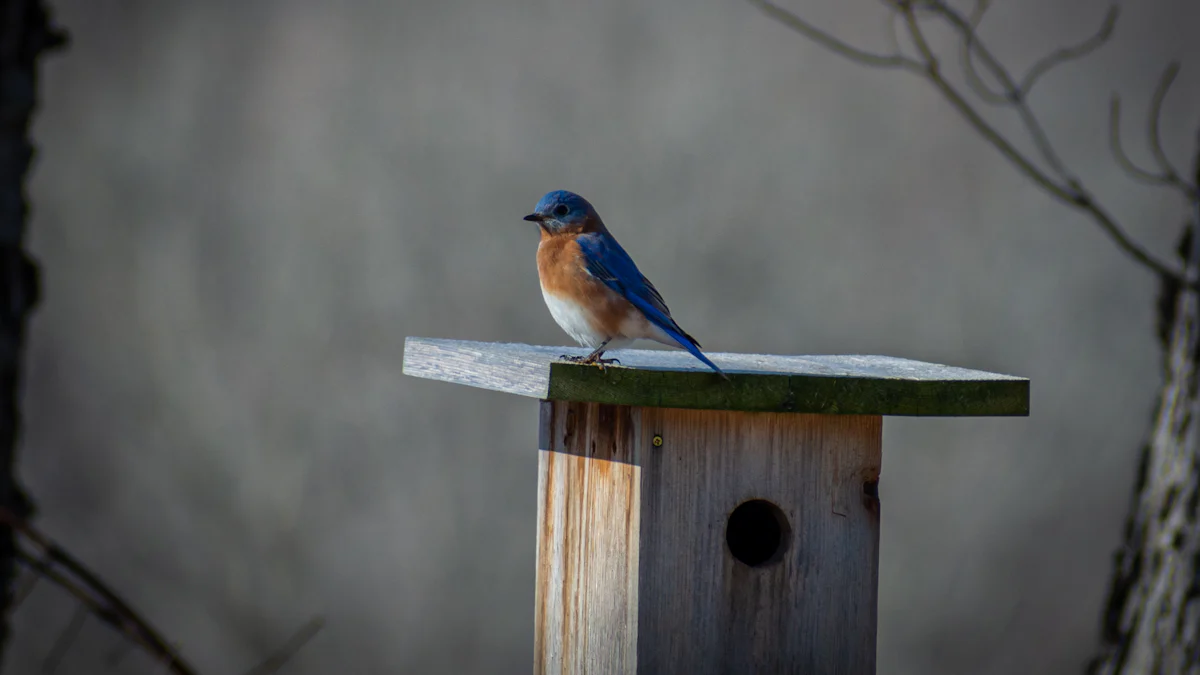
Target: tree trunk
<point>1151,624</point>
<point>25,34</point>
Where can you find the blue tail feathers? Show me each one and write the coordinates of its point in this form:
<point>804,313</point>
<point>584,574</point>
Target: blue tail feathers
<point>677,334</point>
<point>687,342</point>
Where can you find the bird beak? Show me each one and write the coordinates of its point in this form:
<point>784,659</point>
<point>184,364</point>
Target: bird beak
<point>534,218</point>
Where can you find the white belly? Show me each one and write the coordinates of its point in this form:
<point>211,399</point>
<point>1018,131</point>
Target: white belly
<point>573,319</point>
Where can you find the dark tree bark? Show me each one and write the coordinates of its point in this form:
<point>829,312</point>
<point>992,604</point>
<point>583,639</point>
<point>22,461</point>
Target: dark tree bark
<point>26,33</point>
<point>1151,623</point>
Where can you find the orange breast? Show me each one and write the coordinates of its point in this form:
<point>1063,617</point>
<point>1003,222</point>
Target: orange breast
<point>563,273</point>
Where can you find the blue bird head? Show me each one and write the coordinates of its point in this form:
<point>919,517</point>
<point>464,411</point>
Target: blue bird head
<point>561,211</point>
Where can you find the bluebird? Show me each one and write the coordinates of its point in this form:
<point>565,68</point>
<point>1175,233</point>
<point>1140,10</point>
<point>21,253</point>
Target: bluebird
<point>592,287</point>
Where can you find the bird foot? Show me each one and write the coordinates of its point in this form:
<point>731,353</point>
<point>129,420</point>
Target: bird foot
<point>589,360</point>
<point>602,363</point>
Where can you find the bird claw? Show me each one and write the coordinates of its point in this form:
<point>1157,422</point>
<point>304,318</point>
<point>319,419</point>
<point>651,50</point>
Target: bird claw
<point>602,363</point>
<point>589,361</point>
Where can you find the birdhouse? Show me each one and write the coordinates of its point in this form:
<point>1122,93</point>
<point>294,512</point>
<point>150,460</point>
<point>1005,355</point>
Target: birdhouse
<point>688,524</point>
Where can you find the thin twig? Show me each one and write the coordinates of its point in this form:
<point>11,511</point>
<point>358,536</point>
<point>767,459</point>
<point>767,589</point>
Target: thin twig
<point>1118,151</point>
<point>1156,104</point>
<point>65,639</point>
<point>932,67</point>
<point>829,42</point>
<point>968,47</point>
<point>890,29</point>
<point>100,601</point>
<point>1072,195</point>
<point>1013,95</point>
<point>1061,56</point>
<point>1166,176</point>
<point>285,653</point>
<point>103,601</point>
<point>1070,191</point>
<point>85,598</point>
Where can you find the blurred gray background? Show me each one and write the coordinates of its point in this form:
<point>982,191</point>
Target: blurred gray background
<point>242,208</point>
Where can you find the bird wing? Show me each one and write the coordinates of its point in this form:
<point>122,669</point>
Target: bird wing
<point>608,262</point>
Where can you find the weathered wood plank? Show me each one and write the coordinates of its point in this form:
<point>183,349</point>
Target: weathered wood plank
<point>586,608</point>
<point>635,570</point>
<point>828,384</point>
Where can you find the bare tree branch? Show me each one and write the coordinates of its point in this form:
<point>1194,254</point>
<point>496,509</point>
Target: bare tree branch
<point>1061,56</point>
<point>103,602</point>
<point>829,42</point>
<point>106,614</point>
<point>1072,193</point>
<point>1013,95</point>
<point>1066,187</point>
<point>969,46</point>
<point>1166,176</point>
<point>59,567</point>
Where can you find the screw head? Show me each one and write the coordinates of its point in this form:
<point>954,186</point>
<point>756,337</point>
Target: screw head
<point>657,441</point>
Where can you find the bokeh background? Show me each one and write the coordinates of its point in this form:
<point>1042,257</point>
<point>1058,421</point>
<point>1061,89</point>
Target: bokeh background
<point>243,207</point>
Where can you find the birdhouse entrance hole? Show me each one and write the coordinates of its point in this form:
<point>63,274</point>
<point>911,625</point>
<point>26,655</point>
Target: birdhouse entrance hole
<point>757,533</point>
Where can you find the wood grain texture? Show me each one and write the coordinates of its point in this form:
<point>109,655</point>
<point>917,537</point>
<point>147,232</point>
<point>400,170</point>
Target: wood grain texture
<point>634,573</point>
<point>846,385</point>
<point>588,513</point>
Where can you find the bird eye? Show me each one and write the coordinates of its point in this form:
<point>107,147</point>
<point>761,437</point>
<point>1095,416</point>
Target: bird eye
<point>561,210</point>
